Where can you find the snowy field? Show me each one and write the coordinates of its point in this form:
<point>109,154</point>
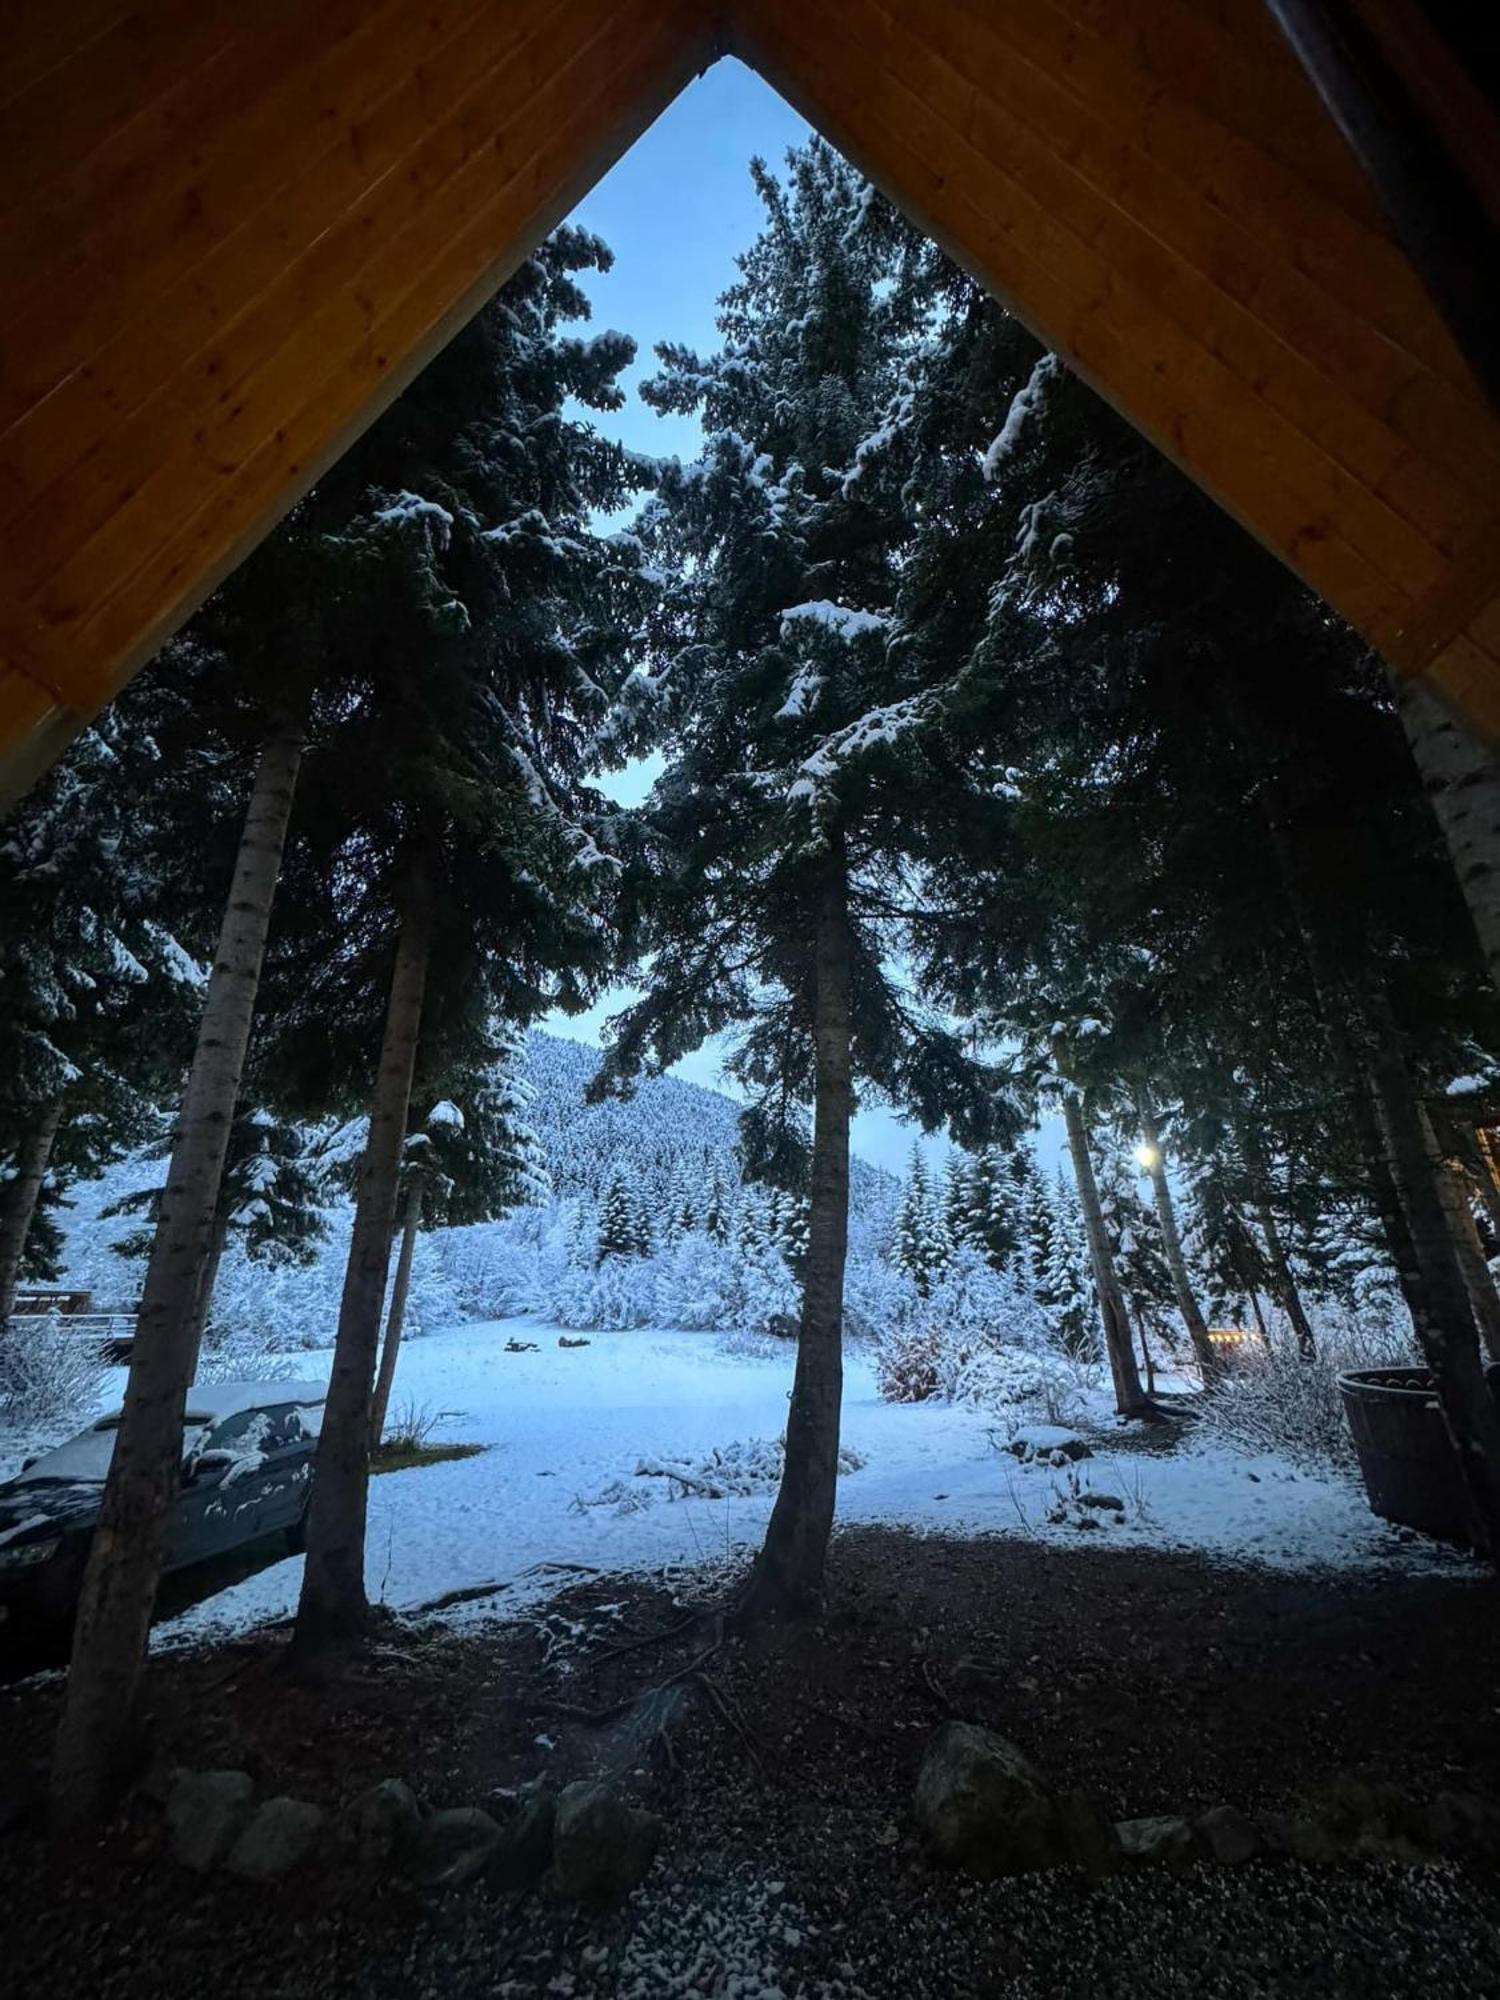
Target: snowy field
<point>565,1430</point>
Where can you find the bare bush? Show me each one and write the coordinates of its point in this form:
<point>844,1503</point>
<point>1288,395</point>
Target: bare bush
<point>47,1376</point>
<point>411,1426</point>
<point>1292,1406</point>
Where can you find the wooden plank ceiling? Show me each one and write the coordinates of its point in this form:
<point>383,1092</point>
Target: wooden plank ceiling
<point>229,235</point>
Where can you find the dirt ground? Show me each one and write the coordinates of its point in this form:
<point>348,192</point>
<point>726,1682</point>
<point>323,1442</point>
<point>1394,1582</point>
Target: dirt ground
<point>783,1770</point>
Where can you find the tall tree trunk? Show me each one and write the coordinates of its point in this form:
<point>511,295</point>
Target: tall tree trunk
<point>1470,1411</point>
<point>1386,1201</point>
<point>1462,779</point>
<point>1146,1359</point>
<point>1130,1399</point>
<point>96,1737</point>
<point>1259,1316</point>
<point>1475,1151</point>
<point>1284,1286</point>
<point>395,1317</point>
<point>1171,1237</point>
<point>1484,1300</point>
<point>210,1278</point>
<point>1445,1327</point>
<point>333,1611</point>
<point>18,1203</point>
<point>788,1574</point>
<point>1485,1140</point>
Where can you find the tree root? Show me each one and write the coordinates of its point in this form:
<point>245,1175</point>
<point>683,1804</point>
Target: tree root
<point>572,1711</point>
<point>470,1593</point>
<point>636,1645</point>
<point>729,1714</point>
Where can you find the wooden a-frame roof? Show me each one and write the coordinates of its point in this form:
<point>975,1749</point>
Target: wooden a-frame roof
<point>230,233</point>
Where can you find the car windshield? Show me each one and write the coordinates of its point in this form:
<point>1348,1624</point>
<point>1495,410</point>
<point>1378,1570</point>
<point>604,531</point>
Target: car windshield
<point>84,1460</point>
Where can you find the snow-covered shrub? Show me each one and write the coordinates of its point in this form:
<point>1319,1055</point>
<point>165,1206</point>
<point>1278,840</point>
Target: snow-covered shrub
<point>47,1376</point>
<point>877,1298</point>
<point>732,1471</point>
<point>240,1357</point>
<point>620,1292</point>
<point>912,1361</point>
<point>1291,1406</point>
<point>977,1337</point>
<point>698,1285</point>
<point>1021,1378</point>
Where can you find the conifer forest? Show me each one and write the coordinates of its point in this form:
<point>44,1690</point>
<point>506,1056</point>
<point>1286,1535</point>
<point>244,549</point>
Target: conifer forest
<point>1048,1553</point>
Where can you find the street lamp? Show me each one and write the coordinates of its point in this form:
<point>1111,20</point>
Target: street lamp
<point>1148,1156</point>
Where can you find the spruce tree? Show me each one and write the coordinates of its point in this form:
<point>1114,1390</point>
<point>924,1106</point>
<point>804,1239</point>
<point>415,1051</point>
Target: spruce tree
<point>617,1233</point>
<point>914,1247</point>
<point>469,1157</point>
<point>807,767</point>
<point>96,988</point>
<point>460,796</point>
<point>1068,1290</point>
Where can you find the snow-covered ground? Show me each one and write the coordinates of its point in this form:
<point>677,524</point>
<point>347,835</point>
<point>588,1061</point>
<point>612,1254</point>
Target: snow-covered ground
<point>563,1426</point>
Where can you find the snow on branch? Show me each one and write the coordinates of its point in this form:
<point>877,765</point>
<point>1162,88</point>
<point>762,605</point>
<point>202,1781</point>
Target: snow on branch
<point>587,854</point>
<point>802,696</point>
<point>1025,403</point>
<point>836,617</point>
<point>877,727</point>
<point>408,507</point>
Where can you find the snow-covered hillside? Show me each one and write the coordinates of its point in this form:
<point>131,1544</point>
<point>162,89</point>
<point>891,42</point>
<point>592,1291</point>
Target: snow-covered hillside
<point>665,1127</point>
<point>671,1150</point>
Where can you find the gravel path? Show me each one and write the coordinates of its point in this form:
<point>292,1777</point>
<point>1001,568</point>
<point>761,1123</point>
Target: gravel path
<point>789,1866</point>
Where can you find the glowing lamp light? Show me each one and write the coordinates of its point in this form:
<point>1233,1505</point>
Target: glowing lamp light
<point>1148,1156</point>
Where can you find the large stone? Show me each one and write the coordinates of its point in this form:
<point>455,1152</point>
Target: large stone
<point>1226,1836</point>
<point>453,1846</point>
<point>524,1851</point>
<point>381,1824</point>
<point>1086,1836</point>
<point>981,1806</point>
<point>1160,1838</point>
<point>278,1840</point>
<point>602,1847</point>
<point>205,1812</point>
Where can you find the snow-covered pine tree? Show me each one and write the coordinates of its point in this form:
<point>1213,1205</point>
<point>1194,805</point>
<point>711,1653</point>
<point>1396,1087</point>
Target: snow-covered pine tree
<point>1026,1199</point>
<point>97,993</point>
<point>913,1250</point>
<point>270,1199</point>
<point>464,790</point>
<point>994,1225</point>
<point>1068,1289</point>
<point>716,1206</point>
<point>789,1227</point>
<point>963,1201</point>
<point>808,762</point>
<point>618,1232</point>
<point>679,1214</point>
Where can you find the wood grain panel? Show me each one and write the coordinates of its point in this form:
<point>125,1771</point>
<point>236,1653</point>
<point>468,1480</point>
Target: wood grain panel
<point>534,199</point>
<point>1372,486</point>
<point>39,35</point>
<point>230,234</point>
<point>512,130</point>
<point>322,280</point>
<point>1167,383</point>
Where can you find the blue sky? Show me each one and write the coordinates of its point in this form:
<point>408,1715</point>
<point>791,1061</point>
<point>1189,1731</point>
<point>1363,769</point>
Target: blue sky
<point>675,211</point>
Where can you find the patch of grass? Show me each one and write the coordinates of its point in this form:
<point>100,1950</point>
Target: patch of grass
<point>400,1455</point>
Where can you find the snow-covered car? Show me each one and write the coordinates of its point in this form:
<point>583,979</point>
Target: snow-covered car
<point>247,1464</point>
